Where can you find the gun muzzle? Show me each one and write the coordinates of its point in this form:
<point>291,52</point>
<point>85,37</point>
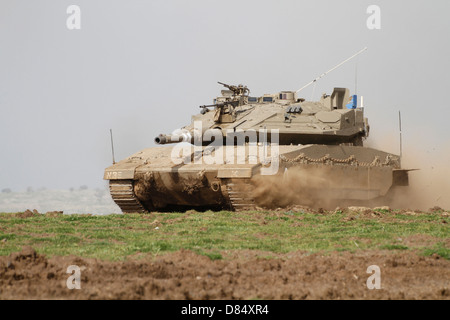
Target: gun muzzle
<point>161,139</point>
<point>174,138</point>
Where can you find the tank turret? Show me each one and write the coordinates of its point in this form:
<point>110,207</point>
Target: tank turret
<point>334,119</point>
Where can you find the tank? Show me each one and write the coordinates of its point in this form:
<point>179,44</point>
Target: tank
<point>242,152</point>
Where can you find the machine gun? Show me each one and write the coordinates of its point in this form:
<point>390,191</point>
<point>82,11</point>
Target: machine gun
<point>239,90</point>
<point>224,111</point>
<point>233,103</point>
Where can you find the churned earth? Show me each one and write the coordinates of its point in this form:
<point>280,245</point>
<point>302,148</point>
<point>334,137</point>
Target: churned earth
<point>242,274</point>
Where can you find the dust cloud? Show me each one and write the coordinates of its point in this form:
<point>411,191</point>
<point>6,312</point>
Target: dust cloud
<point>429,180</point>
<point>430,185</point>
<point>320,186</point>
<point>293,187</point>
<point>324,187</point>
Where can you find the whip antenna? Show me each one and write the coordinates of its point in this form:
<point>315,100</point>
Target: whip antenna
<point>324,74</point>
<point>400,128</point>
<point>112,146</point>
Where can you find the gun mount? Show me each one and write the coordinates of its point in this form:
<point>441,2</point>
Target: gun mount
<point>239,90</point>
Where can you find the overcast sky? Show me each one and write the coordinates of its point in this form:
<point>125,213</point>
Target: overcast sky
<point>143,68</point>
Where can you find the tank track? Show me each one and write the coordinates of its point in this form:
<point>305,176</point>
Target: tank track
<point>122,192</point>
<point>240,194</point>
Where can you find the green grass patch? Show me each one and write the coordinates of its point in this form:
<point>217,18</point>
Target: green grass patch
<point>114,237</point>
<point>394,247</point>
<point>213,255</point>
<point>439,249</point>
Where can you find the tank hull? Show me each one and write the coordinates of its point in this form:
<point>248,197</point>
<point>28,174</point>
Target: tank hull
<point>317,175</point>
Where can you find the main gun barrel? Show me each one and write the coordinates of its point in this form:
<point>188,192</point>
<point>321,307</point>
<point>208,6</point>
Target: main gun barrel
<point>185,136</point>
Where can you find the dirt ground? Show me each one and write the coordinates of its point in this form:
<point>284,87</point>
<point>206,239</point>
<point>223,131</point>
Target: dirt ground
<point>240,274</point>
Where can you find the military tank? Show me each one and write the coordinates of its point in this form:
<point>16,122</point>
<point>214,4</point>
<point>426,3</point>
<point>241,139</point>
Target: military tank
<point>244,151</point>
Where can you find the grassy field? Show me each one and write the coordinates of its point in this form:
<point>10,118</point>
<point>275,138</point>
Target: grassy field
<point>115,237</point>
